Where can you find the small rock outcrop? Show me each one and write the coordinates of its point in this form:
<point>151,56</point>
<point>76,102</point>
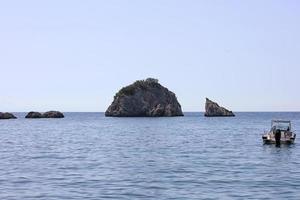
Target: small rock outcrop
<point>212,109</point>
<point>144,98</point>
<point>33,115</point>
<point>7,115</point>
<point>53,114</point>
<point>49,114</point>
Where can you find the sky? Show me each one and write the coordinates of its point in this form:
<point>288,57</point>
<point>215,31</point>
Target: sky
<point>73,55</point>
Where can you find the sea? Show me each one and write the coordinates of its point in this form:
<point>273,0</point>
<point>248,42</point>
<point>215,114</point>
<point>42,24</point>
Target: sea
<point>90,156</point>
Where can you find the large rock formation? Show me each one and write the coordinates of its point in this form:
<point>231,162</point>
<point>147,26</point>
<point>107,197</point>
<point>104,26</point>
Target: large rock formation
<point>212,109</point>
<point>144,98</point>
<point>7,115</point>
<point>49,114</point>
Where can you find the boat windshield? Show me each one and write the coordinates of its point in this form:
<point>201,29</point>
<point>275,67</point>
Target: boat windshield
<point>281,125</point>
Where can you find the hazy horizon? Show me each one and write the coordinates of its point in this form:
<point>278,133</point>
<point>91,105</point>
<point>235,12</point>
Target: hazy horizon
<point>75,55</point>
<point>185,112</point>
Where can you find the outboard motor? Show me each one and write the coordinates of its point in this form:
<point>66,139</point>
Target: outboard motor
<point>277,137</point>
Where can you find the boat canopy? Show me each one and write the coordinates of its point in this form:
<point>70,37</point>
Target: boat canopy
<point>283,125</point>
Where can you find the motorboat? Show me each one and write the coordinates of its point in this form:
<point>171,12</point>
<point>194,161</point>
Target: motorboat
<point>280,133</point>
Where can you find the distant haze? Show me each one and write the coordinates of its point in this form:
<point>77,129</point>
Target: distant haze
<point>75,55</point>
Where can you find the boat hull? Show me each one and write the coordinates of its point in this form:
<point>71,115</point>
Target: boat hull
<point>267,140</point>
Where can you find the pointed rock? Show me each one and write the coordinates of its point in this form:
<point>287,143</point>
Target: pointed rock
<point>144,98</point>
<point>212,109</point>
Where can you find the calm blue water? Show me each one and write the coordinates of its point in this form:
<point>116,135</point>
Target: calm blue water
<point>88,156</point>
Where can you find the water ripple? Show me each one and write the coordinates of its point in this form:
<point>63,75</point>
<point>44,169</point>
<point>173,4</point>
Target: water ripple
<point>88,156</point>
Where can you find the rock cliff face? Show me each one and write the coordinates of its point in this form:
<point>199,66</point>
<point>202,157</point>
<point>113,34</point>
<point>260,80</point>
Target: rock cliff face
<point>49,114</point>
<point>212,109</point>
<point>144,98</point>
<point>7,116</point>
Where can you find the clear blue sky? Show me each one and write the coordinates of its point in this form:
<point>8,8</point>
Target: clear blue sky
<point>75,55</point>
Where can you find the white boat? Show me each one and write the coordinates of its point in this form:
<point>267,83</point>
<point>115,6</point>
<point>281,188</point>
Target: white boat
<point>280,133</point>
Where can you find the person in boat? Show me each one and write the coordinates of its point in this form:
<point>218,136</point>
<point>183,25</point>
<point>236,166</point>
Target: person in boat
<point>287,133</point>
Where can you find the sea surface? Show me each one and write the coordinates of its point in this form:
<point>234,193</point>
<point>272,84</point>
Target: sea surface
<point>89,156</point>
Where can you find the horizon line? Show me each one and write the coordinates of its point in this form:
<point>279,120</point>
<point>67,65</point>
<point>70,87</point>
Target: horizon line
<point>183,111</point>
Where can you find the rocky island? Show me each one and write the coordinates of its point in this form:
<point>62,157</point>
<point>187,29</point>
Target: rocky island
<point>212,109</point>
<point>49,114</point>
<point>7,115</point>
<point>144,98</point>
<point>33,115</point>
